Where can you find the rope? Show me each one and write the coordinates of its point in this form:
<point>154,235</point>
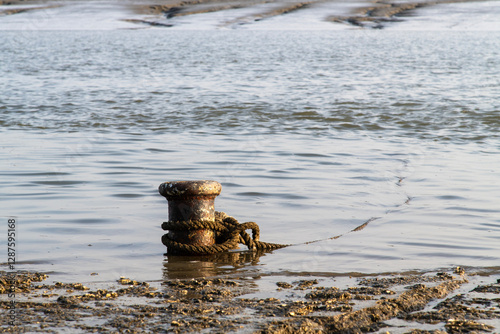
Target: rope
<point>228,234</point>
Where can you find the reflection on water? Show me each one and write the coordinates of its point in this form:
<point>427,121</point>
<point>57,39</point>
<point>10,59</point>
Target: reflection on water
<point>224,264</point>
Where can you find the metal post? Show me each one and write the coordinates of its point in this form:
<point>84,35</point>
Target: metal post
<point>191,201</point>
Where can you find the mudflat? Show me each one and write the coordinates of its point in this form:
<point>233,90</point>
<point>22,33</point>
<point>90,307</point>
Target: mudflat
<point>439,302</point>
<point>370,14</point>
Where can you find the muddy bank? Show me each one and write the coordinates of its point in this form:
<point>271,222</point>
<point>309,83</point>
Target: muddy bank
<point>271,9</point>
<point>369,14</point>
<point>374,14</point>
<point>377,14</point>
<point>12,11</point>
<point>444,302</point>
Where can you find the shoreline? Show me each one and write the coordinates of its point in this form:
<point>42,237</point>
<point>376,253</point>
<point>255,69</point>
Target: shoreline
<point>373,14</point>
<point>437,302</point>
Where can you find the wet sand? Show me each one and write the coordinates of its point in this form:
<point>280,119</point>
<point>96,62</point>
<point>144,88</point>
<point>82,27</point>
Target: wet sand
<point>439,302</point>
<point>371,14</point>
<point>374,14</point>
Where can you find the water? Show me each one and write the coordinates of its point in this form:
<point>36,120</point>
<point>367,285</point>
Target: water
<point>311,133</point>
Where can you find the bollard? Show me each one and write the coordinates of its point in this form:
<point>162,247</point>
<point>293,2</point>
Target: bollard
<point>191,201</point>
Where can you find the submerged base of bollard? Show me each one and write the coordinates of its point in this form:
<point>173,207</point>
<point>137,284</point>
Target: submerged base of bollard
<point>195,228</point>
<point>191,202</point>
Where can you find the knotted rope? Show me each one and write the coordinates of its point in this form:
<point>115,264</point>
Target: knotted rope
<point>228,234</point>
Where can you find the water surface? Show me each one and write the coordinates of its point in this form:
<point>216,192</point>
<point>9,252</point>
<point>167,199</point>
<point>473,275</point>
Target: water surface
<point>311,133</point>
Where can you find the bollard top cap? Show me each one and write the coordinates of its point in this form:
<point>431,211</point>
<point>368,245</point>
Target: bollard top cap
<point>179,189</point>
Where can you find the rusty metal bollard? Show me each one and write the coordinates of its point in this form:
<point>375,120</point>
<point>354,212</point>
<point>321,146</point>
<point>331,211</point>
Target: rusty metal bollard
<point>191,201</point>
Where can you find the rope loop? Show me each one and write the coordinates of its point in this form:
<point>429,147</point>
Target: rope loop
<point>228,234</point>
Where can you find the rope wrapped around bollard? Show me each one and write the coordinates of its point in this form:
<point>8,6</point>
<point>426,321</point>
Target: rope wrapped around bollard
<point>228,234</point>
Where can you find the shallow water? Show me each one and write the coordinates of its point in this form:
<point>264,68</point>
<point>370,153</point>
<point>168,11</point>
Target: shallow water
<point>311,134</point>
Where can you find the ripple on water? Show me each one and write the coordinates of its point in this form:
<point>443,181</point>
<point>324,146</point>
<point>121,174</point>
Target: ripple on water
<point>311,142</point>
